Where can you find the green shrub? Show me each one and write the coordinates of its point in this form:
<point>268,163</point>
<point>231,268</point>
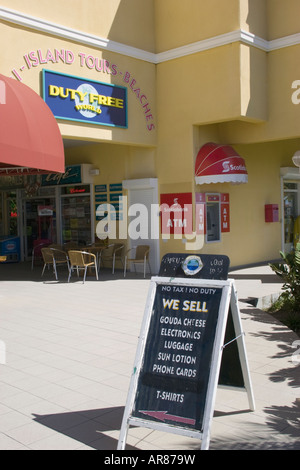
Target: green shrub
<point>293,321</point>
<point>289,271</point>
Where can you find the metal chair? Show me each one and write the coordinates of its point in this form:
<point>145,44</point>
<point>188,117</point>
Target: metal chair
<point>82,260</point>
<point>54,257</point>
<point>47,256</point>
<point>36,252</point>
<point>141,257</point>
<point>113,253</point>
<point>97,249</point>
<point>60,258</point>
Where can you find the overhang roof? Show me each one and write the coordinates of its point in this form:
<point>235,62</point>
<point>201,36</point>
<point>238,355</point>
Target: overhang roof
<point>217,163</point>
<point>30,139</point>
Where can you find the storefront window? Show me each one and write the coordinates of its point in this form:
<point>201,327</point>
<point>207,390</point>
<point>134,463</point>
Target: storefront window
<point>76,214</point>
<point>43,215</point>
<point>290,186</point>
<point>291,212</point>
<point>12,212</point>
<point>40,220</point>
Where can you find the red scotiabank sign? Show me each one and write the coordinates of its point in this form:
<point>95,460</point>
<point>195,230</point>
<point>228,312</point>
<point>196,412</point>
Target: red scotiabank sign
<point>176,213</point>
<point>225,215</point>
<point>200,214</point>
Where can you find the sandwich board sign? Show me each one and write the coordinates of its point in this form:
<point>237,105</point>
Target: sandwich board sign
<point>191,341</point>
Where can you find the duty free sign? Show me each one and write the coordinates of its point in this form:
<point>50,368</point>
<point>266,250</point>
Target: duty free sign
<point>76,99</point>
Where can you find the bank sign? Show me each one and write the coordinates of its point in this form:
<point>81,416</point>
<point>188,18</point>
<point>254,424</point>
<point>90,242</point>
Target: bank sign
<point>76,99</point>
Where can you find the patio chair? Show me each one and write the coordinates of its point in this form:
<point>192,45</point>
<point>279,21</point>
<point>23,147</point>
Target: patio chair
<point>36,251</point>
<point>82,260</point>
<point>141,257</point>
<point>97,250</point>
<point>60,258</point>
<point>113,253</point>
<point>47,256</point>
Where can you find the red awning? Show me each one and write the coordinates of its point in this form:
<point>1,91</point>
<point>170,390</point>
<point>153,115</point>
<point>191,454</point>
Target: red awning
<point>30,139</point>
<point>219,164</point>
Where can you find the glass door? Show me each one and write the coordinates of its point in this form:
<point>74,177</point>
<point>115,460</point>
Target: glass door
<point>40,223</point>
<point>76,215</point>
<point>291,212</point>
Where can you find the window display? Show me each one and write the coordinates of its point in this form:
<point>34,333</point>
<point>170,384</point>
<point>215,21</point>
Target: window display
<point>12,213</point>
<point>76,215</point>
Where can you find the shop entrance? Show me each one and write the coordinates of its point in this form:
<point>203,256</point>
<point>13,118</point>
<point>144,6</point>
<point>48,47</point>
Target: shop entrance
<point>39,223</point>
<point>291,209</point>
<point>144,193</point>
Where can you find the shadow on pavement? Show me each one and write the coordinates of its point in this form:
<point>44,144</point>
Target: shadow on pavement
<point>90,427</point>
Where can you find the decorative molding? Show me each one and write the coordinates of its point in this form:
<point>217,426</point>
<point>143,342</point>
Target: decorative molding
<point>61,31</point>
<point>211,43</point>
<point>287,41</point>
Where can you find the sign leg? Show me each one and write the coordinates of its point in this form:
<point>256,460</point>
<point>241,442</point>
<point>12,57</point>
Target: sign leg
<point>123,436</point>
<point>242,347</point>
<point>205,440</point>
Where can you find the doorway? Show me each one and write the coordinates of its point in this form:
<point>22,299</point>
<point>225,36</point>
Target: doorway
<point>39,223</point>
<point>144,194</point>
<point>291,207</point>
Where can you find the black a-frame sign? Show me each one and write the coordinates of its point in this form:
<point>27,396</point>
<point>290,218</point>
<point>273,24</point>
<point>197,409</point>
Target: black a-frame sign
<point>191,341</point>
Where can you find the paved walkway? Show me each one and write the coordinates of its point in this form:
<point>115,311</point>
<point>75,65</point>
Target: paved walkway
<point>69,355</point>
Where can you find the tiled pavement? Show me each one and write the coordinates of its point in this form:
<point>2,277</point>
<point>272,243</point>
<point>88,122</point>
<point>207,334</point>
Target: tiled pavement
<point>69,355</point>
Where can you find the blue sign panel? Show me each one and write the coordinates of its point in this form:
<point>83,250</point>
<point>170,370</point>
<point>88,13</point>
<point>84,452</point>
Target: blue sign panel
<point>77,99</point>
<point>100,188</point>
<point>72,175</point>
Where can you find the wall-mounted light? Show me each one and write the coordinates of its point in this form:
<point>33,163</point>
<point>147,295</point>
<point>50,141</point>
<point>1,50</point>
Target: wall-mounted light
<point>94,171</point>
<point>296,158</point>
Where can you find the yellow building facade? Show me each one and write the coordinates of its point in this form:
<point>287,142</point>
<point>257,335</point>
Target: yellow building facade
<point>188,74</point>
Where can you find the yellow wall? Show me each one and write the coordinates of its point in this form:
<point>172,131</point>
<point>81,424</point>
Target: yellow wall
<point>237,93</point>
<point>199,88</point>
<point>254,17</point>
<point>282,18</point>
<point>117,20</point>
<point>283,116</point>
<point>179,23</point>
<point>224,84</point>
<point>250,239</point>
<point>115,162</point>
<point>140,74</point>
